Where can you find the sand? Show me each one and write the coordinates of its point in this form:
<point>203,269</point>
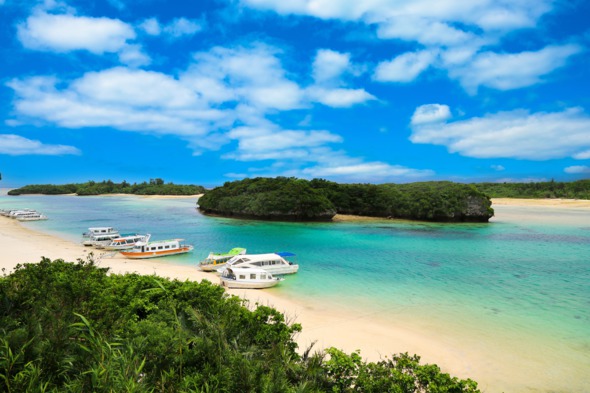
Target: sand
<point>508,367</point>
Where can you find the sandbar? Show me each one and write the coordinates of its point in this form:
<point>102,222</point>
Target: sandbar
<point>511,366</point>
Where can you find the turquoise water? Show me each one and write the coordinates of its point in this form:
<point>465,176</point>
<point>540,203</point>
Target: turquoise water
<point>527,276</point>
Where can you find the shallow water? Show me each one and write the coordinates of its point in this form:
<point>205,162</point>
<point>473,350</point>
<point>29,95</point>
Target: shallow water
<point>522,277</point>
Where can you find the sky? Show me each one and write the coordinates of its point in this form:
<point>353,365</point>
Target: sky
<point>373,91</point>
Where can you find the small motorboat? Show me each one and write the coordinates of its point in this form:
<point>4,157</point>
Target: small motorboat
<point>248,278</point>
<point>160,248</point>
<point>215,261</point>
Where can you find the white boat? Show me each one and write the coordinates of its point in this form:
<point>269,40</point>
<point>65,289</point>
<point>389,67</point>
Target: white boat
<point>156,249</point>
<point>11,212</point>
<point>100,231</point>
<point>274,263</point>
<point>100,240</point>
<point>248,278</point>
<point>30,216</point>
<point>126,242</point>
<point>215,261</point>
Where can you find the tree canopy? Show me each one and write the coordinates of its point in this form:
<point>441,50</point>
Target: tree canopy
<point>154,187</point>
<point>73,327</point>
<point>284,198</point>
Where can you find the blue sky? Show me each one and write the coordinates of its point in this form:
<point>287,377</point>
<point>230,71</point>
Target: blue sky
<point>353,91</point>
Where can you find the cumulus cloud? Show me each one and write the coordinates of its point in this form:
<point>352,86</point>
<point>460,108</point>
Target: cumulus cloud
<point>252,75</point>
<point>459,37</point>
<point>15,145</point>
<point>431,113</point>
<point>328,70</point>
<point>179,27</point>
<point>405,67</point>
<point>583,155</point>
<point>516,134</point>
<point>338,97</point>
<point>270,142</point>
<point>577,169</point>
<point>329,65</point>
<point>64,33</point>
<point>512,70</point>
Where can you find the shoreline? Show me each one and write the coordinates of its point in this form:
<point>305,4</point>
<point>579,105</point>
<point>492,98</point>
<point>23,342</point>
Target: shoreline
<point>327,324</point>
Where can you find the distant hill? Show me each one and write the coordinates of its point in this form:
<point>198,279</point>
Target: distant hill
<point>284,198</point>
<point>154,187</point>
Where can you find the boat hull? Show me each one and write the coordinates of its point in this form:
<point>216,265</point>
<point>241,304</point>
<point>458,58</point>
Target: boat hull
<point>237,284</point>
<point>156,254</point>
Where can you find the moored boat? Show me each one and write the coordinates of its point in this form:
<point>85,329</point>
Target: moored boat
<point>126,242</point>
<point>100,231</point>
<point>215,261</point>
<point>248,278</point>
<point>30,215</point>
<point>274,263</point>
<point>156,249</point>
<point>99,240</point>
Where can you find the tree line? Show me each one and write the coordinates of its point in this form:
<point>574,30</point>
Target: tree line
<point>283,197</point>
<point>550,189</point>
<point>73,327</point>
<point>154,187</point>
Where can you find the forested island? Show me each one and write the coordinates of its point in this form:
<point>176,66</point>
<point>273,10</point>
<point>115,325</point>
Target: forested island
<point>154,187</point>
<point>73,327</point>
<point>294,199</point>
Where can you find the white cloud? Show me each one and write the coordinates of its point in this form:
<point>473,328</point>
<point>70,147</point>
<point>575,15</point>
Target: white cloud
<point>328,70</point>
<point>583,155</point>
<point>405,67</point>
<point>452,34</point>
<point>64,33</point>
<point>367,170</point>
<point>130,100</point>
<point>431,113</point>
<point>254,76</point>
<point>133,56</point>
<point>137,88</point>
<point>339,98</point>
<point>15,145</point>
<point>424,31</point>
<point>151,26</point>
<point>516,134</point>
<point>270,142</point>
<point>577,169</point>
<point>330,65</point>
<point>183,27</point>
<point>419,19</point>
<point>498,168</point>
<point>514,70</point>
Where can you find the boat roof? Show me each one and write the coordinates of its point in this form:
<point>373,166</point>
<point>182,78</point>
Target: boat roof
<point>257,257</point>
<point>158,242</point>
<point>247,270</point>
<point>285,254</point>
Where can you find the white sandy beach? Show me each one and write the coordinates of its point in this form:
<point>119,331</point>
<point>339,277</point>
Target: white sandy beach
<point>513,366</point>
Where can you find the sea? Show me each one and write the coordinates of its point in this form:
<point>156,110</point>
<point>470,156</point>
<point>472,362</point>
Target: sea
<point>522,277</point>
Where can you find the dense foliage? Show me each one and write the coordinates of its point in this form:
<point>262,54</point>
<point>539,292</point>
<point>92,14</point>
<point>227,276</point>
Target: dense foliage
<point>550,189</point>
<point>268,198</point>
<point>154,187</point>
<point>278,197</point>
<point>71,327</point>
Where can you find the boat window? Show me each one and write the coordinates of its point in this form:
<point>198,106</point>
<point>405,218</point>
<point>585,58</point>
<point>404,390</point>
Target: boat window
<point>242,276</point>
<point>252,276</point>
<point>160,247</point>
<point>256,263</point>
<point>263,276</point>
